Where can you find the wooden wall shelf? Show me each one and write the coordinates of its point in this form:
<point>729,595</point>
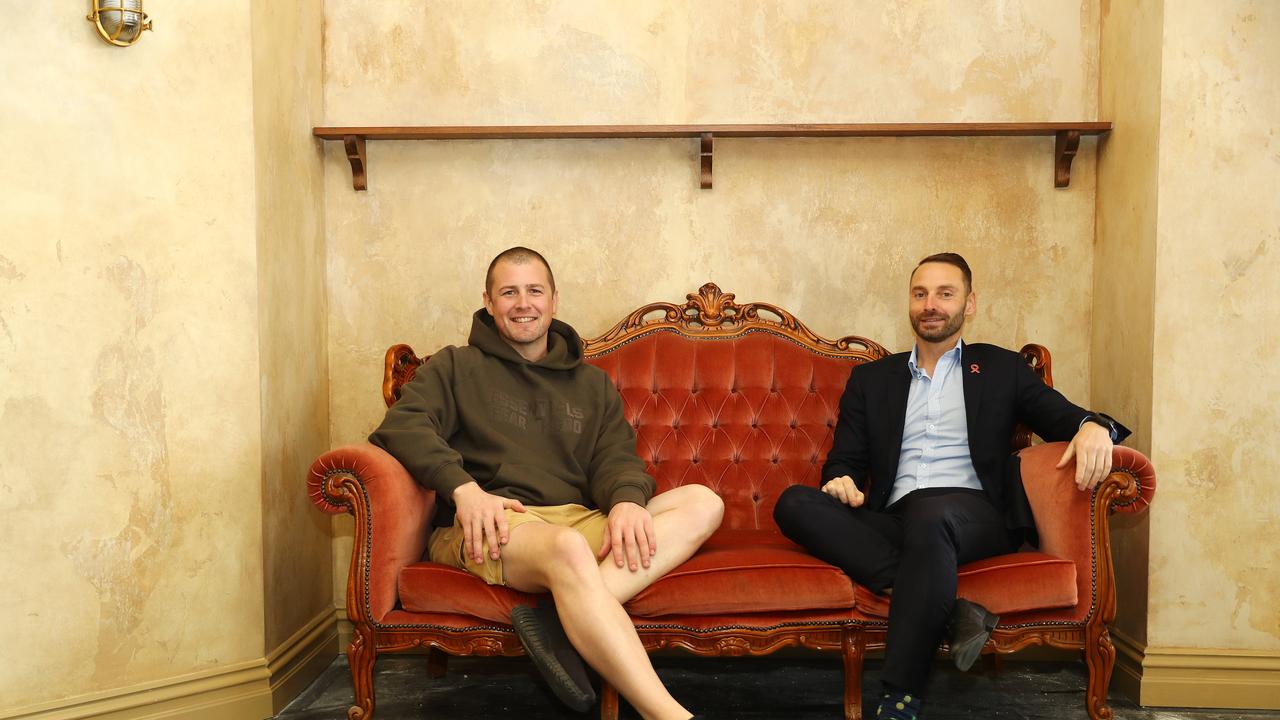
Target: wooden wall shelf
<point>1066,136</point>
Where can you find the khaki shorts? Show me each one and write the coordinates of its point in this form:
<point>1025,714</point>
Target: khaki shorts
<point>445,545</point>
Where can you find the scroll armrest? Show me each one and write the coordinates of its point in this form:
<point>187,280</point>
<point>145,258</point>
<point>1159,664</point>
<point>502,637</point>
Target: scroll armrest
<point>1064,515</point>
<point>393,520</point>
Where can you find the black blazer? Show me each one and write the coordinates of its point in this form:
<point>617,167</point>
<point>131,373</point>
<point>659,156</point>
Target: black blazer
<point>1000,390</point>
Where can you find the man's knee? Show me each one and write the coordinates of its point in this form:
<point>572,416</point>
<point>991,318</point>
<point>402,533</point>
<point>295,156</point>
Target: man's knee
<point>790,510</point>
<point>707,505</point>
<point>569,552</point>
<point>698,508</point>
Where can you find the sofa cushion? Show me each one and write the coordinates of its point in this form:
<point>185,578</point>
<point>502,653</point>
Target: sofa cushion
<point>435,588</point>
<point>748,578</point>
<point>736,571</point>
<point>1004,584</point>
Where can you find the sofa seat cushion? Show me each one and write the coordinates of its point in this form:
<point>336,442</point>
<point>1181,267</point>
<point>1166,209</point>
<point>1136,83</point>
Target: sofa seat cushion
<point>1005,584</point>
<point>767,577</point>
<point>429,587</point>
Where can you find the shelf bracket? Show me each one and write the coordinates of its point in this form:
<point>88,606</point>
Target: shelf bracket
<point>705,155</point>
<point>1064,151</point>
<point>359,163</point>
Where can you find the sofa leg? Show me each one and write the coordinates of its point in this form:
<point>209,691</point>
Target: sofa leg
<point>852,648</point>
<point>1100,657</point>
<point>608,701</point>
<point>361,654</point>
<point>437,663</point>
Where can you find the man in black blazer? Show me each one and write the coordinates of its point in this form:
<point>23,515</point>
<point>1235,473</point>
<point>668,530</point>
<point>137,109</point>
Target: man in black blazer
<point>921,477</point>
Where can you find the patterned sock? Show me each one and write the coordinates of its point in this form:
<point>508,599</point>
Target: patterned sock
<point>899,705</point>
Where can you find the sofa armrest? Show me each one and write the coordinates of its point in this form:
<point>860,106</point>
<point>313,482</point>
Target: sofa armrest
<point>1064,515</point>
<point>393,521</point>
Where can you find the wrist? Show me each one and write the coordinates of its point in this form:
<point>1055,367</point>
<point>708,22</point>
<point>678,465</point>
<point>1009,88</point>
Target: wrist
<point>463,490</point>
<point>1104,422</point>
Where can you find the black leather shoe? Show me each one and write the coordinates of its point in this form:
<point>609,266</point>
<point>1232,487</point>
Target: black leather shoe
<point>548,647</point>
<point>970,628</point>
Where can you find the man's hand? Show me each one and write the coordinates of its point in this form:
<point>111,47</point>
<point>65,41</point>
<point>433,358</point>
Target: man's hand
<point>483,518</point>
<point>844,490</point>
<point>629,536</point>
<point>1091,447</point>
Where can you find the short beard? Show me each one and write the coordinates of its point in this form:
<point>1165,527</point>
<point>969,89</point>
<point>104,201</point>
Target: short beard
<point>949,328</point>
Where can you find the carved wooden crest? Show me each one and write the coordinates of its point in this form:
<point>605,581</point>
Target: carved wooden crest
<point>713,313</point>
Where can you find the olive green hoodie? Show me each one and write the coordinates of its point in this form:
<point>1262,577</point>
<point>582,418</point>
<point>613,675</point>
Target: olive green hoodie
<point>549,432</point>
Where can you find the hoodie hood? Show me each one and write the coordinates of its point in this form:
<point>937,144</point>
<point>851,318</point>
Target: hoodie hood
<point>564,347</point>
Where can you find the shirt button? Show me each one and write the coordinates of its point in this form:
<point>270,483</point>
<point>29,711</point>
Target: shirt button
<point>930,427</point>
<point>924,466</point>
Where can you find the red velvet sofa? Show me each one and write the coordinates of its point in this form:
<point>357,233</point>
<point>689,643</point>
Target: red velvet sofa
<point>743,399</point>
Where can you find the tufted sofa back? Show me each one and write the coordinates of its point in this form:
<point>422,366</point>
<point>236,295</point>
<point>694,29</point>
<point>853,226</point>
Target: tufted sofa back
<point>747,416</point>
<point>742,398</point>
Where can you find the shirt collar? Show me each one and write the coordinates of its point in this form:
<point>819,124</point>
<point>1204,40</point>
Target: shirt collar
<point>917,373</point>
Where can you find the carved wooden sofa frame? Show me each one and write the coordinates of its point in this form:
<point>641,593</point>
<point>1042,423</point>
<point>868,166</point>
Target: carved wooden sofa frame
<point>392,519</point>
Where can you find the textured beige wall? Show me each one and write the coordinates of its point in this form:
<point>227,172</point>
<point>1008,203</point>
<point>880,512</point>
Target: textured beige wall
<point>1214,580</point>
<point>828,229</point>
<point>294,376</point>
<point>129,377</point>
<point>1125,264</point>
<point>672,61</point>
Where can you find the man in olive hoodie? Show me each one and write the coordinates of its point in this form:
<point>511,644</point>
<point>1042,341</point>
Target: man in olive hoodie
<point>539,486</point>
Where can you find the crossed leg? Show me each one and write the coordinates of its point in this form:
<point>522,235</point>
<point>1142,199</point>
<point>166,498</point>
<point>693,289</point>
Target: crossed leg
<point>589,594</point>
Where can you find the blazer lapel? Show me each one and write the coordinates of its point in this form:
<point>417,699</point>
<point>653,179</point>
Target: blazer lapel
<point>971,368</point>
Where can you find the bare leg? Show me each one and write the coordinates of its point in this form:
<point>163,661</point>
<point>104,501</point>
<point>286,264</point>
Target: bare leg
<point>683,519</point>
<point>541,558</point>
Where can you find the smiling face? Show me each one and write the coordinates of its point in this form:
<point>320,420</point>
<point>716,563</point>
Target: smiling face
<point>939,302</point>
<point>522,302</point>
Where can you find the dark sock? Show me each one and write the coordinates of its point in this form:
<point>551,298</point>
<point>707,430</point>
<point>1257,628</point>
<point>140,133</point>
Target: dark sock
<point>899,705</point>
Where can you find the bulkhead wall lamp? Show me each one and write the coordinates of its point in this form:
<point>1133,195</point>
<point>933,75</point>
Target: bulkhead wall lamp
<point>119,22</point>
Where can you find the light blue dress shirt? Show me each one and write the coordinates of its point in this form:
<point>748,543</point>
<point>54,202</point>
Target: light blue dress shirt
<point>935,435</point>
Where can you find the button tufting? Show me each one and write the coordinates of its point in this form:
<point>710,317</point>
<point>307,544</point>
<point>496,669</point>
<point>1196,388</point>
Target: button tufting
<point>793,424</point>
<point>774,460</point>
<point>755,497</point>
<point>695,461</point>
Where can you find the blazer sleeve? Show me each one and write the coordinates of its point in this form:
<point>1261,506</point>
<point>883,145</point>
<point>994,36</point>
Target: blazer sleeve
<point>849,447</point>
<point>1051,415</point>
<point>1048,413</point>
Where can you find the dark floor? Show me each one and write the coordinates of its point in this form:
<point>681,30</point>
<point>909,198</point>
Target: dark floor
<point>795,688</point>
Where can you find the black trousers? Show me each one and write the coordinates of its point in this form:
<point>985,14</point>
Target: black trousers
<point>914,546</point>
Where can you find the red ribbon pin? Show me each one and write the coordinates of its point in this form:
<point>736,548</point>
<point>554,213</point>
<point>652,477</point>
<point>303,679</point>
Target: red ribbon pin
<point>975,369</point>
